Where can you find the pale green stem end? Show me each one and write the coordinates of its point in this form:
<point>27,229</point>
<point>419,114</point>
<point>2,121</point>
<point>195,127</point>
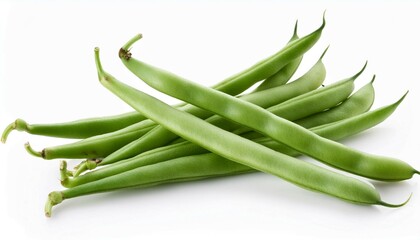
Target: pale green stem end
<point>54,198</point>
<point>31,151</point>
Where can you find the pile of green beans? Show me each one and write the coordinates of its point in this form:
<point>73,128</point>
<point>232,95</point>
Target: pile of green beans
<point>222,131</point>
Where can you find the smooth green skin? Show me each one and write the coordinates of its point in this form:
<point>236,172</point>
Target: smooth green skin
<point>122,141</point>
<point>90,127</point>
<point>358,103</point>
<point>360,99</point>
<point>297,137</point>
<point>284,75</point>
<point>94,147</point>
<point>160,136</point>
<point>102,145</point>
<point>220,142</point>
<point>312,102</point>
<point>224,144</point>
<point>82,128</point>
<point>335,131</point>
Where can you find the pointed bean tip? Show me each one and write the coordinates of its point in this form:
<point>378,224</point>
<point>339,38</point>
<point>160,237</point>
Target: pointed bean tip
<point>402,98</point>
<point>373,79</point>
<point>360,72</point>
<point>395,205</point>
<point>323,53</point>
<point>295,28</point>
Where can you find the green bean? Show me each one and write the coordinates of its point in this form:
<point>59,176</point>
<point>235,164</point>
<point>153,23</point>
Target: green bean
<point>297,137</point>
<point>261,70</point>
<point>312,102</point>
<point>356,104</point>
<point>103,145</point>
<point>90,127</point>
<point>223,143</point>
<point>190,168</point>
<point>360,99</point>
<point>94,147</point>
<point>76,129</point>
<point>159,136</point>
<point>98,147</point>
<point>335,131</point>
<point>283,76</point>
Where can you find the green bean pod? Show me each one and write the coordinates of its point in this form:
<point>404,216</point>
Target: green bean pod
<point>195,167</point>
<point>222,143</point>
<point>309,81</point>
<point>360,99</point>
<point>312,102</point>
<point>295,136</point>
<point>94,147</point>
<point>89,127</point>
<point>76,129</point>
<point>283,76</point>
<point>335,131</point>
<point>103,146</point>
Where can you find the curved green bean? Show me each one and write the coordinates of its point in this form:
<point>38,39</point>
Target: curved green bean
<point>232,85</point>
<point>360,99</point>
<point>297,137</point>
<point>104,146</point>
<point>335,131</point>
<point>283,76</point>
<point>90,127</point>
<point>225,144</point>
<point>311,80</point>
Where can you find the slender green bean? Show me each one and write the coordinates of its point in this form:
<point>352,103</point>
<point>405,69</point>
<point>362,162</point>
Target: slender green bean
<point>234,85</point>
<point>311,80</point>
<point>225,144</point>
<point>283,76</point>
<point>360,99</point>
<point>356,104</point>
<point>297,137</point>
<point>335,131</point>
<point>101,146</point>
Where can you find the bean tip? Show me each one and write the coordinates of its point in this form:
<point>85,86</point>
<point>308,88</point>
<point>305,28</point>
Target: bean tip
<point>399,101</point>
<point>53,199</point>
<point>323,53</point>
<point>373,79</point>
<point>295,28</point>
<point>385,204</point>
<point>31,151</point>
<point>130,42</point>
<point>360,72</point>
<point>7,131</point>
<point>323,18</point>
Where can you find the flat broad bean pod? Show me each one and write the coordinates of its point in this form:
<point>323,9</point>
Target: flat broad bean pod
<point>297,137</point>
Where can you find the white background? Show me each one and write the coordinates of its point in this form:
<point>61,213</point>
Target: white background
<point>47,74</point>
